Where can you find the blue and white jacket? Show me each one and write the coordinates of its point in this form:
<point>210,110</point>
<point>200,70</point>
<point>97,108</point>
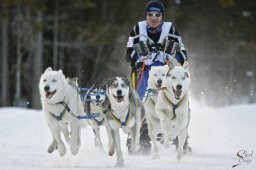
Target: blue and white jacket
<point>141,29</point>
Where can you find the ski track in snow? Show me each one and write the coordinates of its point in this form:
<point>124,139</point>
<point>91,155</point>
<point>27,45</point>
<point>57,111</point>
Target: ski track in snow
<point>216,135</point>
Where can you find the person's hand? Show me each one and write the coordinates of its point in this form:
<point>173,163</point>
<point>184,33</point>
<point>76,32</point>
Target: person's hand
<point>142,58</point>
<point>138,64</point>
<point>168,57</point>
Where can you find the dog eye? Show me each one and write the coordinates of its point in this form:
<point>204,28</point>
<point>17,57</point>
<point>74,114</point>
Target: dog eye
<point>163,75</point>
<point>113,86</point>
<point>173,77</point>
<point>54,80</point>
<point>183,78</point>
<point>123,85</point>
<point>44,80</point>
<point>155,75</point>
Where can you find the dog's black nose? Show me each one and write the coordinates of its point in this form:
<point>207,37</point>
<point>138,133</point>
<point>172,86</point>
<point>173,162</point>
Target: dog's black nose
<point>159,81</point>
<point>46,88</point>
<point>97,97</point>
<point>179,87</point>
<point>119,92</point>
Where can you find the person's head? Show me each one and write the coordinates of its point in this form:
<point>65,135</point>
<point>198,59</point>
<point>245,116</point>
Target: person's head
<point>154,12</point>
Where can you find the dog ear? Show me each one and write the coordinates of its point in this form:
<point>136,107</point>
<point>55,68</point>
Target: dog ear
<point>126,80</point>
<point>48,69</point>
<point>173,62</point>
<point>170,65</point>
<point>153,67</point>
<point>60,71</point>
<point>108,84</point>
<point>185,65</point>
<point>166,68</point>
<point>168,73</point>
<point>73,81</point>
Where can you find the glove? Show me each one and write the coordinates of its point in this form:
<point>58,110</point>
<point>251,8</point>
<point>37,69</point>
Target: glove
<point>138,65</point>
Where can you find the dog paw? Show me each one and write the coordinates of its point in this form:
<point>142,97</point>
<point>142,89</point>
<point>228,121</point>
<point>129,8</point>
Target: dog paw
<point>155,157</point>
<point>68,141</point>
<point>62,150</point>
<point>74,149</point>
<point>111,153</point>
<point>111,149</point>
<point>101,149</point>
<point>134,148</point>
<point>51,148</point>
<point>120,164</point>
<point>179,154</point>
<point>166,144</point>
<point>172,136</point>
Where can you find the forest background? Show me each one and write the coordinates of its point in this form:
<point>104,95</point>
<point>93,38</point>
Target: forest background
<point>87,39</point>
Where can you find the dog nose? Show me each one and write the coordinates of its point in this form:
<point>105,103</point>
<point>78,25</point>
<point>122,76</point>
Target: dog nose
<point>119,92</point>
<point>159,81</point>
<point>46,88</point>
<point>97,97</point>
<point>179,87</point>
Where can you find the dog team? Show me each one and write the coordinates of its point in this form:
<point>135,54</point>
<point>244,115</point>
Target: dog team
<point>116,105</point>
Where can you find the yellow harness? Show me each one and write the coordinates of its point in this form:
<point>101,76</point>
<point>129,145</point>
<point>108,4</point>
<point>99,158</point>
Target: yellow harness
<point>127,119</point>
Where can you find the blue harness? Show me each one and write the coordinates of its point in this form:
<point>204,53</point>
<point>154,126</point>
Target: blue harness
<point>87,116</point>
<point>150,92</point>
<point>99,123</point>
<point>58,117</point>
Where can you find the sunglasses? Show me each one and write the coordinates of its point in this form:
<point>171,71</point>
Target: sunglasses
<point>155,15</point>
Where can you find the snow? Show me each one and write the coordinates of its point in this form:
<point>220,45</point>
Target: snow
<point>216,135</point>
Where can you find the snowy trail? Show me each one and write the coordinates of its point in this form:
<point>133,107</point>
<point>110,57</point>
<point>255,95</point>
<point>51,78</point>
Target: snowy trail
<point>216,135</point>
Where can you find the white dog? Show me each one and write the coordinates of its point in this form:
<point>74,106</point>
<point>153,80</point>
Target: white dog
<point>124,110</point>
<point>61,104</point>
<point>172,106</point>
<point>93,105</point>
<point>155,80</point>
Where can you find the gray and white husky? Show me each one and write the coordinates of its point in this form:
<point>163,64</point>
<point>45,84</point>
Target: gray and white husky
<point>94,99</point>
<point>123,111</point>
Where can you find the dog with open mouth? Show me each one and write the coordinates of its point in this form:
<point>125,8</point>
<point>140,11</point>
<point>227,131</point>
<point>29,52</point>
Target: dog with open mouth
<point>123,110</point>
<point>157,75</point>
<point>55,90</point>
<point>172,106</point>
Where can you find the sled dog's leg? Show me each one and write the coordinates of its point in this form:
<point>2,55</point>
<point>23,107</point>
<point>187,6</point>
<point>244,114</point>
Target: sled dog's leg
<point>56,134</point>
<point>119,155</point>
<point>182,138</point>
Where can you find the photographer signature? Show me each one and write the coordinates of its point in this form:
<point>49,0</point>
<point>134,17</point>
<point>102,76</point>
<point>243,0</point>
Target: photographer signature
<point>244,157</point>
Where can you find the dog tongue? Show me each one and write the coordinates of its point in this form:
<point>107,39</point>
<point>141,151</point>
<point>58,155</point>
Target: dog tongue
<point>158,86</point>
<point>178,93</point>
<point>48,94</point>
<point>120,98</point>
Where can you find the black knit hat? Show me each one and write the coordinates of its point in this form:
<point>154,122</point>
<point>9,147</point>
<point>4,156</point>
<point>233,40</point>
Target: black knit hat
<point>154,6</point>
